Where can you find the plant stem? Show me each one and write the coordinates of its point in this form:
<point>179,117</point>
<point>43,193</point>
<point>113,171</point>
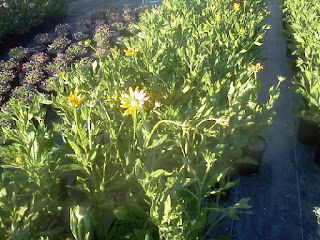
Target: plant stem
<point>201,122</point>
<point>134,116</point>
<point>77,126</point>
<point>157,125</point>
<point>89,128</point>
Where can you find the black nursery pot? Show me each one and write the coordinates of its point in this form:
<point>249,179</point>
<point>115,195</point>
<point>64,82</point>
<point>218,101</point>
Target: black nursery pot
<point>255,150</point>
<point>316,157</point>
<point>308,132</point>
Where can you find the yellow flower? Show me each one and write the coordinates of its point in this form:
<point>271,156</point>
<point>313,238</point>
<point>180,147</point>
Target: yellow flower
<point>87,43</point>
<point>236,6</point>
<point>133,101</point>
<point>131,51</point>
<point>242,31</point>
<point>255,67</point>
<point>75,100</point>
<point>19,160</point>
<point>217,18</point>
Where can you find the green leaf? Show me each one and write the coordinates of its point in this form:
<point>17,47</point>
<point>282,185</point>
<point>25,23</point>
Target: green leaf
<point>121,213</point>
<point>243,203</point>
<point>3,192</point>
<point>72,167</point>
<point>158,142</point>
<point>140,234</point>
<point>77,150</point>
<point>248,159</point>
<point>167,209</point>
<point>186,89</point>
<point>158,173</point>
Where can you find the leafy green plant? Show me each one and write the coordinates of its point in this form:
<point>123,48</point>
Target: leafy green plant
<point>301,20</point>
<point>149,133</point>
<point>18,17</point>
<point>30,197</point>
<point>80,223</point>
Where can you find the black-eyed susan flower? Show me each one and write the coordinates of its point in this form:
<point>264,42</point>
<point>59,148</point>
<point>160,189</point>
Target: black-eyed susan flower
<point>131,51</point>
<point>133,101</point>
<point>75,100</point>
<point>236,6</point>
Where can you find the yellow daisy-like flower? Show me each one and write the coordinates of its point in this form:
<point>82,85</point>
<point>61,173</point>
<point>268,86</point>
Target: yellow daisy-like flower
<point>242,31</point>
<point>75,100</point>
<point>133,101</point>
<point>217,18</point>
<point>19,160</point>
<point>131,51</point>
<point>236,6</point>
<point>255,67</point>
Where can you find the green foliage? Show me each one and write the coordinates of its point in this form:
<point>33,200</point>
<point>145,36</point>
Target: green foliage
<point>149,175</point>
<point>18,16</point>
<point>302,31</point>
<point>31,180</point>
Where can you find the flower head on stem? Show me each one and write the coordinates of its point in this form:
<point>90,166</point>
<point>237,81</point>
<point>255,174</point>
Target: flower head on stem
<point>133,101</point>
<point>75,100</point>
<point>236,7</point>
<point>131,51</point>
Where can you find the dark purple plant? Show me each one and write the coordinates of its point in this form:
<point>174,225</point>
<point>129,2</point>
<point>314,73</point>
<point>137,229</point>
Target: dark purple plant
<point>58,45</point>
<point>34,77</point>
<point>80,35</point>
<point>4,88</point>
<point>30,66</point>
<point>8,65</point>
<point>101,35</point>
<point>56,67</point>
<point>63,29</point>
<point>18,53</point>
<point>76,50</point>
<point>7,76</point>
<point>39,58</point>
<point>42,38</point>
<point>127,13</point>
<point>24,93</point>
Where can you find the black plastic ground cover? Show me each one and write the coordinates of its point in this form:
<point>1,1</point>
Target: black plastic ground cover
<point>287,186</point>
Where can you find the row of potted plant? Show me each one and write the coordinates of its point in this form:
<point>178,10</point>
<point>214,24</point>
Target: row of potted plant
<point>137,142</point>
<point>19,16</point>
<point>301,18</point>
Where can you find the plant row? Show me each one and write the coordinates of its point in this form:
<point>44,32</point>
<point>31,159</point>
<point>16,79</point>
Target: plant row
<point>19,16</point>
<point>302,31</point>
<point>141,144</point>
